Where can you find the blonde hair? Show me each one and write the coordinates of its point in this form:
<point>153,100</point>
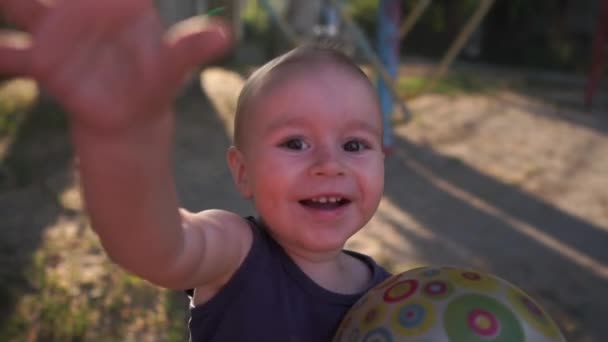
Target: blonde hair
<point>314,54</point>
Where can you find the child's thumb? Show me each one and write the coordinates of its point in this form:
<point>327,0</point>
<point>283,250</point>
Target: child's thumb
<point>198,41</point>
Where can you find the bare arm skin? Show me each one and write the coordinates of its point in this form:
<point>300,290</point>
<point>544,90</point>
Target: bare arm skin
<point>116,70</point>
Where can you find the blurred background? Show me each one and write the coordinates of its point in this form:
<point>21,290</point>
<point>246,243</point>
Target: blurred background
<point>497,159</point>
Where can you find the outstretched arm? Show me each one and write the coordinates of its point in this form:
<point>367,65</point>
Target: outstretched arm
<point>114,68</point>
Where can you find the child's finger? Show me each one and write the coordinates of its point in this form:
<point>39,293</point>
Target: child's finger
<point>14,53</point>
<point>24,13</point>
<point>197,41</point>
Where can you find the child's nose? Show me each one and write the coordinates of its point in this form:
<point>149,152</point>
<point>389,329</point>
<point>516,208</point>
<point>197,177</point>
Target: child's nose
<point>327,162</point>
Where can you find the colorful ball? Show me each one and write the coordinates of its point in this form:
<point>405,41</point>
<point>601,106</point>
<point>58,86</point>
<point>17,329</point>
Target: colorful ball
<point>442,304</point>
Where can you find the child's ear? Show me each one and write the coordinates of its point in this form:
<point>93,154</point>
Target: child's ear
<point>236,163</point>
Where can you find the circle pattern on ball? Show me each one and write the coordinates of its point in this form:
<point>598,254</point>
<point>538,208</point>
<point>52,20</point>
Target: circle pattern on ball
<point>479,318</point>
<point>532,313</point>
<point>401,290</point>
<point>437,289</point>
<point>430,272</point>
<point>373,316</point>
<point>483,323</point>
<point>473,280</point>
<point>414,317</point>
<point>378,335</point>
<point>388,283</point>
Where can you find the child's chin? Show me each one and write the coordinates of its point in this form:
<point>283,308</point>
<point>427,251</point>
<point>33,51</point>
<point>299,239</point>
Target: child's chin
<point>326,244</point>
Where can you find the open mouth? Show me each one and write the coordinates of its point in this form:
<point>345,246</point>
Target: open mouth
<point>325,202</point>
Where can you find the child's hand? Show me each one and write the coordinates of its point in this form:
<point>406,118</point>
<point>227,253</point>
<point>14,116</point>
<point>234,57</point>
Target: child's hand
<point>109,62</point>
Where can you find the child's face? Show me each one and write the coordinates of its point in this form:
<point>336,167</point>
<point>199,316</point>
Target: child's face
<point>312,158</point>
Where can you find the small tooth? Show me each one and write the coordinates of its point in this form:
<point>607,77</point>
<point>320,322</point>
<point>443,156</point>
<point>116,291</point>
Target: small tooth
<point>333,200</point>
<point>323,200</point>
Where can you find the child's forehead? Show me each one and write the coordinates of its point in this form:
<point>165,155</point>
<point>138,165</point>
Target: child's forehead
<point>308,78</point>
<point>319,123</point>
<point>329,86</point>
<point>308,98</point>
<point>281,75</point>
<point>290,85</point>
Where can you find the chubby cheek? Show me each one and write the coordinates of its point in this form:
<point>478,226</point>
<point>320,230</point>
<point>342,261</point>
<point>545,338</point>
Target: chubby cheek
<point>273,180</point>
<point>371,184</point>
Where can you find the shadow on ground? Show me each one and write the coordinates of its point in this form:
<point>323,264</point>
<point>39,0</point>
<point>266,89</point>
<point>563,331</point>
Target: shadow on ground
<point>34,170</point>
<point>556,257</point>
<point>38,167</point>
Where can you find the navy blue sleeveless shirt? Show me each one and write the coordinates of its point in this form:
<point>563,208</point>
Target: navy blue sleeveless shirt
<point>269,298</point>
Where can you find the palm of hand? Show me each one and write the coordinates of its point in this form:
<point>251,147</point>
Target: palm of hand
<point>109,62</point>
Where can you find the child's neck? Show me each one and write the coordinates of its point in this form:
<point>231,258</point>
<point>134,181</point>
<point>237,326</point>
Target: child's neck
<point>338,272</point>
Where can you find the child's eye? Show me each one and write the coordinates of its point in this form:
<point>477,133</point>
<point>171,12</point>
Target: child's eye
<point>296,144</point>
<point>355,146</point>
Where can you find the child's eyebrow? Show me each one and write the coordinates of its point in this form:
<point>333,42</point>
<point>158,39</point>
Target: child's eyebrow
<point>283,122</point>
<point>287,121</point>
<point>364,126</point>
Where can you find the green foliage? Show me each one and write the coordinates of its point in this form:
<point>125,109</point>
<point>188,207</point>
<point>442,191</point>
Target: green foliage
<point>76,294</point>
<point>176,310</point>
<point>69,291</point>
<point>517,32</point>
<point>255,19</point>
<point>454,83</point>
<point>29,126</point>
<point>52,315</point>
<point>365,13</point>
<point>16,98</point>
<point>436,17</point>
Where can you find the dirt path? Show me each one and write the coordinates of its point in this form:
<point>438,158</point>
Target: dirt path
<point>506,184</point>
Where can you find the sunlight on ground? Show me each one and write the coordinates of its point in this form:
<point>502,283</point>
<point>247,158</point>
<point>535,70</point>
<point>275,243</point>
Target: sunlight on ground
<point>16,97</point>
<point>80,295</point>
<point>555,153</point>
<point>559,247</point>
<point>386,239</point>
<point>223,98</point>
<point>69,290</point>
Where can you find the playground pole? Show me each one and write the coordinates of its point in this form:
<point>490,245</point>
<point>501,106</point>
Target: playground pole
<point>598,54</point>
<point>458,44</point>
<point>389,16</point>
<point>369,53</point>
<point>412,18</point>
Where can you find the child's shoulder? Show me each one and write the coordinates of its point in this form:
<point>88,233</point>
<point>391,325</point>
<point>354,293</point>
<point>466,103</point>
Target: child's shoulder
<point>376,272</point>
<point>219,224</point>
<point>225,241</point>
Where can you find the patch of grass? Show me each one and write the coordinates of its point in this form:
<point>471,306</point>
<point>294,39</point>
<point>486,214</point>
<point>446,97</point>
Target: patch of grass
<point>60,317</point>
<point>255,18</point>
<point>17,96</point>
<point>30,136</point>
<point>50,315</point>
<point>70,291</point>
<point>177,314</point>
<point>77,294</point>
<point>454,83</point>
